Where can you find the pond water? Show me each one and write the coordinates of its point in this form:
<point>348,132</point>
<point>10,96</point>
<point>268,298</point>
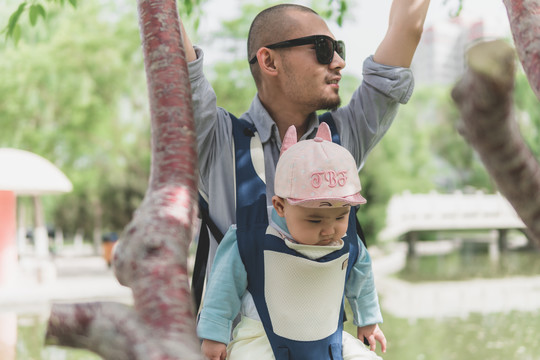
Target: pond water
<point>471,261</point>
<point>498,336</point>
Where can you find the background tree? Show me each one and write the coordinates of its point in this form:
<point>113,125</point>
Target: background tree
<point>80,101</point>
<point>485,99</point>
<point>152,256</point>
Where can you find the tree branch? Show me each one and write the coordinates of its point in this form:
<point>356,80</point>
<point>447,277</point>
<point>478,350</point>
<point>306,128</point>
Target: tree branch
<point>524,16</point>
<point>484,97</point>
<point>151,256</point>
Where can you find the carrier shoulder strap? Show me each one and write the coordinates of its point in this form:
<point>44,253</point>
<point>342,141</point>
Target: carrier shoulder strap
<point>207,224</point>
<point>242,127</point>
<point>203,248</point>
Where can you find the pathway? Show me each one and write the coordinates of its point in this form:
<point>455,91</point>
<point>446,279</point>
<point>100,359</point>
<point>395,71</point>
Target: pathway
<point>87,278</point>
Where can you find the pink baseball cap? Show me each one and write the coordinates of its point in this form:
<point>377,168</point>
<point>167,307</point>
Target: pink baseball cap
<point>317,173</point>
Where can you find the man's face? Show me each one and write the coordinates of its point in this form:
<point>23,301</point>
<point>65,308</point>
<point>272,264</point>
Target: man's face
<point>310,84</point>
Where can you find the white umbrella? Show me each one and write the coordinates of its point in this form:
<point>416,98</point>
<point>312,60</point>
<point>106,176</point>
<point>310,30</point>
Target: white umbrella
<point>26,173</point>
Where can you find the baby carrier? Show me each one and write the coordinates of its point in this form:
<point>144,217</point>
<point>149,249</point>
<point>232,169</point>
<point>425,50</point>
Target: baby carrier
<point>242,132</point>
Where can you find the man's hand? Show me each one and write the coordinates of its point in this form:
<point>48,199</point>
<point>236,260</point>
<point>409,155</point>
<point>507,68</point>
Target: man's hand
<point>214,350</point>
<point>373,334</point>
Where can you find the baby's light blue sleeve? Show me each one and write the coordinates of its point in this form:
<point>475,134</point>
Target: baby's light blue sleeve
<point>223,297</point>
<point>360,291</point>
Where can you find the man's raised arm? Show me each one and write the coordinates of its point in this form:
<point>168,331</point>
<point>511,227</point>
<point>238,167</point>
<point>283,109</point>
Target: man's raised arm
<point>404,31</point>
<point>188,46</point>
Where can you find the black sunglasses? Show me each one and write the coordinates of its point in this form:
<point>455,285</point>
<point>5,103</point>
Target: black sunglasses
<point>325,47</point>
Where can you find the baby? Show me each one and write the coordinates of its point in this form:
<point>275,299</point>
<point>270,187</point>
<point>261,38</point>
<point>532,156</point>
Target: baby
<point>288,279</point>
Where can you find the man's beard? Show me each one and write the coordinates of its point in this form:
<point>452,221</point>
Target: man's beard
<point>329,104</point>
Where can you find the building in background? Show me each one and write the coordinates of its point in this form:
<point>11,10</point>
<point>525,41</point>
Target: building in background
<point>440,57</point>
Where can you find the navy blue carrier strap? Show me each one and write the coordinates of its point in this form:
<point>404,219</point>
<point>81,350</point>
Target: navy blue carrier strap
<point>249,187</point>
<point>252,252</point>
<point>329,119</point>
<point>242,134</point>
<point>252,221</point>
<point>203,249</point>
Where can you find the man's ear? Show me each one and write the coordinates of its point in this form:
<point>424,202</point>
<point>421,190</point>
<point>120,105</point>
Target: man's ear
<point>267,62</point>
<point>279,205</point>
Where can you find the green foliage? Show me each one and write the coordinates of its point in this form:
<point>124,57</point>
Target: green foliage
<point>401,161</point>
<point>332,10</point>
<point>35,9</point>
<point>528,113</point>
<point>80,101</point>
<point>189,9</point>
<point>13,29</point>
<point>336,10</point>
<point>234,86</point>
<point>230,77</point>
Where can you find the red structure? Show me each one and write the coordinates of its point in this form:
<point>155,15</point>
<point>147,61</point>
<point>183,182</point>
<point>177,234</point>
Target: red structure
<point>23,173</point>
<point>8,245</point>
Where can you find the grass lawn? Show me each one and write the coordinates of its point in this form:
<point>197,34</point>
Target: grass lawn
<point>507,336</point>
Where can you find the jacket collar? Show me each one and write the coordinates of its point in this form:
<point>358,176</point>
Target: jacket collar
<point>267,128</point>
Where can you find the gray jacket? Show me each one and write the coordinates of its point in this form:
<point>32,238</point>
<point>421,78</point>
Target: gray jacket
<point>361,124</point>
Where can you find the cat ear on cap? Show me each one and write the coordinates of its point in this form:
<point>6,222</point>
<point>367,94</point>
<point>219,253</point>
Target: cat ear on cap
<point>289,139</point>
<point>324,132</point>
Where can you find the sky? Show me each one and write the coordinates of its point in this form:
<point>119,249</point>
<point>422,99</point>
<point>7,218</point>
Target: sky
<point>365,24</point>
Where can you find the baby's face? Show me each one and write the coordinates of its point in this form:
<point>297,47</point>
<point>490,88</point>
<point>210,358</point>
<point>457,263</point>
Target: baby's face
<point>315,226</point>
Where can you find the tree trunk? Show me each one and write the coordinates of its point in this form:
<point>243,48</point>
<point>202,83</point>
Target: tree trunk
<point>524,16</point>
<point>151,257</point>
<point>484,97</point>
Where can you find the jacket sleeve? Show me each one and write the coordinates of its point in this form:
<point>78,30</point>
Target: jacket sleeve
<point>373,106</point>
<point>226,286</point>
<point>212,123</point>
<point>360,291</point>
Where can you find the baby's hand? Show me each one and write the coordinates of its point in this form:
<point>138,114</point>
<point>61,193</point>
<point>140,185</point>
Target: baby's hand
<point>373,334</point>
<point>214,350</point>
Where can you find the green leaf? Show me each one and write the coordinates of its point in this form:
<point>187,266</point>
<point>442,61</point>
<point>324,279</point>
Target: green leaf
<point>16,34</point>
<point>342,11</point>
<point>188,6</point>
<point>343,7</point>
<point>41,11</point>
<point>13,20</point>
<point>33,14</point>
<point>73,3</point>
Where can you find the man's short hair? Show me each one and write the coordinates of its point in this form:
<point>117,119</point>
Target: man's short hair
<point>269,26</point>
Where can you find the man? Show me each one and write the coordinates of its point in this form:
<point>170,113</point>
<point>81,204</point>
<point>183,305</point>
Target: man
<point>294,79</point>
